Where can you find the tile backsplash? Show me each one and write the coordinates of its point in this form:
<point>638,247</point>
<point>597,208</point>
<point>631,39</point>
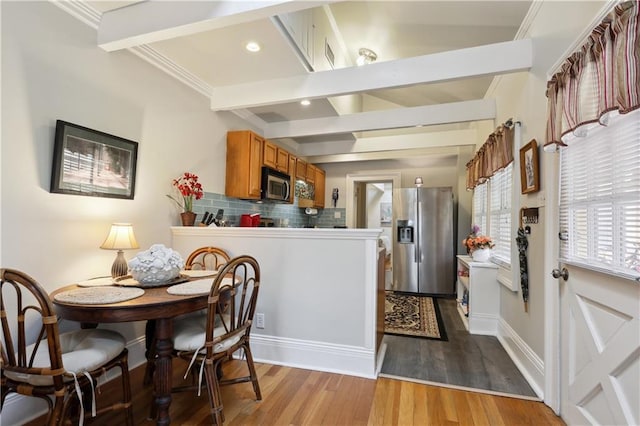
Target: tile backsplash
<point>284,215</point>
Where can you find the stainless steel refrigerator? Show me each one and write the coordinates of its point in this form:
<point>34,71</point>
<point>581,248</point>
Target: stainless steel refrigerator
<point>423,233</point>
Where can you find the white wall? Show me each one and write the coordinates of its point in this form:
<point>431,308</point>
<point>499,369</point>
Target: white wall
<point>444,174</point>
<point>52,69</point>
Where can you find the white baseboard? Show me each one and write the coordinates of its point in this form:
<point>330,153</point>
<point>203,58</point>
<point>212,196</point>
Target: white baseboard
<point>483,324</point>
<point>320,356</point>
<point>530,365</point>
<point>20,409</point>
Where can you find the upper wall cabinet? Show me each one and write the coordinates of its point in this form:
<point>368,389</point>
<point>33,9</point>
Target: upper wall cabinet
<point>318,200</point>
<point>292,173</point>
<point>275,157</point>
<point>311,173</point>
<point>269,154</point>
<point>282,160</point>
<point>244,165</point>
<point>301,169</point>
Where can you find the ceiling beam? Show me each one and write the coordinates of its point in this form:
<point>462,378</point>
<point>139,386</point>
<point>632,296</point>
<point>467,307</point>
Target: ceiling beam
<point>455,112</point>
<point>384,155</point>
<point>491,59</point>
<point>152,21</point>
<point>393,143</point>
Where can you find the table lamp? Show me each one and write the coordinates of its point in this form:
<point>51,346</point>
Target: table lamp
<point>120,238</point>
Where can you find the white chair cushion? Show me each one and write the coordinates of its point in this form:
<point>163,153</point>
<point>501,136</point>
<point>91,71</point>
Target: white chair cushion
<point>188,334</point>
<point>82,350</point>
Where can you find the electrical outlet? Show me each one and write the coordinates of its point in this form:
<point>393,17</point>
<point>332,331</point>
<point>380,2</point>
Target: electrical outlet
<point>336,215</point>
<point>259,320</point>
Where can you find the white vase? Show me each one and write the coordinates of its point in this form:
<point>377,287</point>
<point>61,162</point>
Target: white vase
<point>481,255</point>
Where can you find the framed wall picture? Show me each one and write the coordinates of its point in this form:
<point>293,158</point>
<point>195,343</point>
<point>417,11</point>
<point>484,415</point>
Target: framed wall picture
<point>93,163</point>
<point>529,168</point>
<point>385,214</point>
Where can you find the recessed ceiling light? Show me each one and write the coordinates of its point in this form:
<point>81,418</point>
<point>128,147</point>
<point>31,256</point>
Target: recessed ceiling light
<point>252,46</point>
<point>305,102</point>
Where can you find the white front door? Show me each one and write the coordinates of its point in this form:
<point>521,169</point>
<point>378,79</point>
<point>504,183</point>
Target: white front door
<point>600,348</point>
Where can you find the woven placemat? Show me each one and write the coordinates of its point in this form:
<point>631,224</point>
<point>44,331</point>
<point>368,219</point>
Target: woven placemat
<point>198,273</point>
<point>95,282</point>
<point>99,295</point>
<point>196,287</point>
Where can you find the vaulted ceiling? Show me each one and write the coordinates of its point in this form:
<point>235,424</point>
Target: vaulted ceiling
<point>436,60</point>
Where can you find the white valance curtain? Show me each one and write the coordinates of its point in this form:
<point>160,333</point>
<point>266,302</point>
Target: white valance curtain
<point>600,78</point>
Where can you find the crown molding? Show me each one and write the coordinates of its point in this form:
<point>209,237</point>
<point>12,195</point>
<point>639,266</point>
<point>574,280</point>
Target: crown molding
<point>80,10</point>
<point>165,64</point>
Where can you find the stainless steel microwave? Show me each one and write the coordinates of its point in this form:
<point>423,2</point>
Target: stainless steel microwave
<point>276,186</point>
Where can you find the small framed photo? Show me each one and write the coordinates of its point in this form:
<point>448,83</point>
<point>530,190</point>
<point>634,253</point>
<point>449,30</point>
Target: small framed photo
<point>529,168</point>
<point>385,214</point>
<point>93,163</point>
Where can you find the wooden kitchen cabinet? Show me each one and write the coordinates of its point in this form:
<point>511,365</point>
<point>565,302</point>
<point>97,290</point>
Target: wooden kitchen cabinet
<point>301,169</point>
<point>311,173</point>
<point>269,154</point>
<point>318,200</point>
<point>282,160</point>
<point>292,173</point>
<point>244,165</point>
<point>275,157</point>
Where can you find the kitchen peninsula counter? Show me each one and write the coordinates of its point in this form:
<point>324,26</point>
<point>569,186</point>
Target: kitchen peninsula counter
<point>318,292</point>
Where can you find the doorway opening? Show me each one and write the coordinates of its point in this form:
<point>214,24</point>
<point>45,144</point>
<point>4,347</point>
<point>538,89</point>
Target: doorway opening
<point>369,205</point>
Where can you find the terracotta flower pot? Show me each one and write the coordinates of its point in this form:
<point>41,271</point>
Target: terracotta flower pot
<point>188,218</point>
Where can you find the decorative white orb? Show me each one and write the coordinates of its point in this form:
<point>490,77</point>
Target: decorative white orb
<point>155,276</point>
<point>157,265</point>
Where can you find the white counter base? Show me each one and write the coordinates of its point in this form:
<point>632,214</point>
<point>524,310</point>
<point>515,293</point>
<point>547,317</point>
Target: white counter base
<point>317,293</point>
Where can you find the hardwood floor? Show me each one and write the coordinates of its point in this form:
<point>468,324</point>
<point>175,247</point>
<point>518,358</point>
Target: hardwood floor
<point>303,397</point>
<point>465,360</point>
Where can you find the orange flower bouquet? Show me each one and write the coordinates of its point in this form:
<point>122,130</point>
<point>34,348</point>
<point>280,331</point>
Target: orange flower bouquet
<point>475,241</point>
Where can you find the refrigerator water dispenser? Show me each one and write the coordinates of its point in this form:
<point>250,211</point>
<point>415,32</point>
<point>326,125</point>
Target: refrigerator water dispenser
<point>405,232</point>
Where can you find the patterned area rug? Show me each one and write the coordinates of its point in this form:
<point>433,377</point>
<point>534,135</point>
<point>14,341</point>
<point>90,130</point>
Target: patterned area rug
<point>413,315</point>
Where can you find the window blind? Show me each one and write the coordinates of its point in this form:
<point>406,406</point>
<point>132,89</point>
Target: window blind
<point>600,196</point>
<point>500,213</point>
<point>479,207</point>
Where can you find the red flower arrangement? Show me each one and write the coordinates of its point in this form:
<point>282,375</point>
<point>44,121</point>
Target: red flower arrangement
<point>189,188</point>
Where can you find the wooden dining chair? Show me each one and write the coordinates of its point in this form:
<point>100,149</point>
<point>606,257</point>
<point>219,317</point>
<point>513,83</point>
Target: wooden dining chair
<point>63,367</point>
<point>207,258</point>
<point>206,342</point>
<point>203,258</point>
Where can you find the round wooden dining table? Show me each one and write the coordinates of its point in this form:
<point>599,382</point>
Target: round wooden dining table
<point>155,304</point>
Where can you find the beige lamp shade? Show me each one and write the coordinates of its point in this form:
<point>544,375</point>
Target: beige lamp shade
<point>120,238</point>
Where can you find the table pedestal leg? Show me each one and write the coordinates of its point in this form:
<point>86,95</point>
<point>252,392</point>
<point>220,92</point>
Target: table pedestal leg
<point>163,374</point>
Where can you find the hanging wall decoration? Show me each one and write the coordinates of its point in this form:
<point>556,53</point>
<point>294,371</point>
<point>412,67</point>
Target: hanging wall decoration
<point>529,168</point>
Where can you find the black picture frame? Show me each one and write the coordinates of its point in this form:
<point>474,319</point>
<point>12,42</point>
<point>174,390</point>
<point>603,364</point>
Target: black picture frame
<point>92,163</point>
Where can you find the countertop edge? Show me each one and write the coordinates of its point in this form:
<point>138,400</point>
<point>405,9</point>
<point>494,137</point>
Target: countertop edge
<point>258,232</point>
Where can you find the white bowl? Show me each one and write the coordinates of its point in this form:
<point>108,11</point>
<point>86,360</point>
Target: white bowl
<point>155,275</point>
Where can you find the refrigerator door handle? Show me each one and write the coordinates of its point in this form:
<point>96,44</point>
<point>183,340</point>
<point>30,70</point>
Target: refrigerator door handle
<point>419,225</point>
